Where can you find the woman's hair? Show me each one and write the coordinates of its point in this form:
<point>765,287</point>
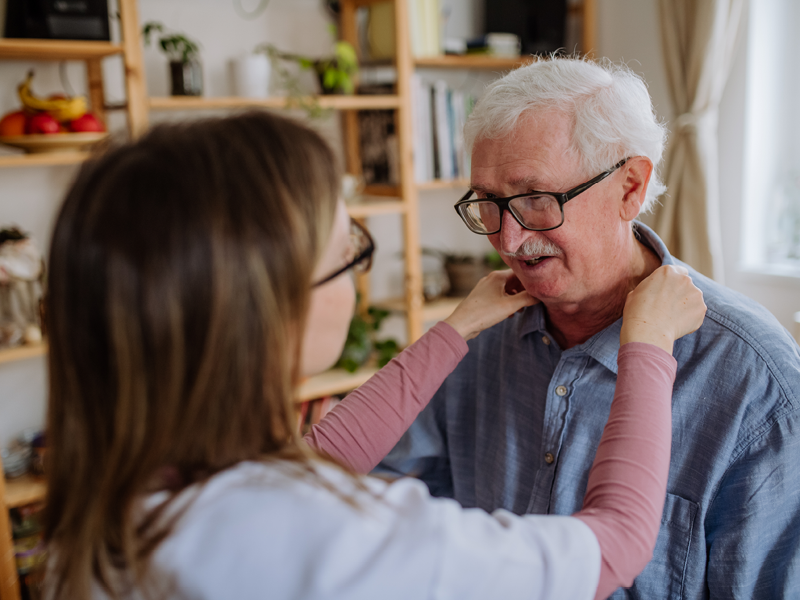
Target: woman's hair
<point>179,282</point>
<point>609,106</point>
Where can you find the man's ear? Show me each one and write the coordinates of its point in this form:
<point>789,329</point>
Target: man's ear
<point>636,173</point>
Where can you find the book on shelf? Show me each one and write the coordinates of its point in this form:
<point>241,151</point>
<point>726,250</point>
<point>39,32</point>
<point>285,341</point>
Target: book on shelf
<point>425,23</point>
<point>439,116</point>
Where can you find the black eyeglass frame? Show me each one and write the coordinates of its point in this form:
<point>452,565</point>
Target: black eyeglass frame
<point>504,203</point>
<point>365,256</point>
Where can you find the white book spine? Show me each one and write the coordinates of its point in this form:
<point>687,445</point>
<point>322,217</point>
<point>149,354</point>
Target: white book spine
<point>443,137</point>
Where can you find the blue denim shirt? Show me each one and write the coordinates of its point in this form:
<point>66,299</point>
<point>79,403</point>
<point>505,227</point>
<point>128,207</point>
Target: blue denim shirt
<point>517,424</point>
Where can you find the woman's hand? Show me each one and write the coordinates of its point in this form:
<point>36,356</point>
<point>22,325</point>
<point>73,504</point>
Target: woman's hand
<point>496,297</point>
<point>662,308</point>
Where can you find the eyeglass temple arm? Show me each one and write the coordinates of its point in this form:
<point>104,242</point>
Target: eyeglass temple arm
<point>582,188</point>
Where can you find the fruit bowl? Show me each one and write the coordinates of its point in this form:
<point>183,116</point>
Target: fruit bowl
<point>54,142</point>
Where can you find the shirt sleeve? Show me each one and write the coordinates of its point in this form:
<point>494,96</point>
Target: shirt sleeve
<point>363,428</point>
<point>628,479</point>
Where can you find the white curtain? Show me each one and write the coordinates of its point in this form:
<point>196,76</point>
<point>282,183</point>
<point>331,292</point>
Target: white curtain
<point>698,38</point>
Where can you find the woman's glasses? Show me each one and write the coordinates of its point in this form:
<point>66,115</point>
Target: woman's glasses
<point>359,256</point>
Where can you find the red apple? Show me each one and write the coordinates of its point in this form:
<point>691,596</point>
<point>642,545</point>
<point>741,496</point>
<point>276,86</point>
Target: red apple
<point>13,123</point>
<point>42,123</point>
<point>86,123</point>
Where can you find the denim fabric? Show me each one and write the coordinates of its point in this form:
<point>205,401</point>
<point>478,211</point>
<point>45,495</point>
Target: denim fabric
<point>517,424</point>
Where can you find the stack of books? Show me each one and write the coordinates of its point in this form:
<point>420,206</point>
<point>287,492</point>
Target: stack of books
<point>439,116</point>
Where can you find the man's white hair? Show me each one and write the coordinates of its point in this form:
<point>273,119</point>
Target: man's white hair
<point>608,104</point>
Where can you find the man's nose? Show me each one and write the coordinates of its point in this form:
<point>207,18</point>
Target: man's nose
<point>512,234</point>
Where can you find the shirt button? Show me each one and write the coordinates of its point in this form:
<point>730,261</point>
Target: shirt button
<point>561,390</point>
<point>549,458</point>
<point>546,340</point>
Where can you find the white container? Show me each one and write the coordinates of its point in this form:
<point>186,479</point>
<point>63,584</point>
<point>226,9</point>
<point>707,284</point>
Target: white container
<point>503,44</point>
<point>250,75</point>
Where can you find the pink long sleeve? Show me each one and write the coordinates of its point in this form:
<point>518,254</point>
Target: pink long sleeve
<point>628,480</point>
<point>360,431</point>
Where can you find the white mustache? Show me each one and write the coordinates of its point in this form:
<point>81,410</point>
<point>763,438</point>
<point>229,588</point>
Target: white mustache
<point>537,247</point>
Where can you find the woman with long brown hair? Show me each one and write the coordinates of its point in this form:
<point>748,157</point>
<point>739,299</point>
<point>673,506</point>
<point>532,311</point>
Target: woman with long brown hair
<point>195,276</point>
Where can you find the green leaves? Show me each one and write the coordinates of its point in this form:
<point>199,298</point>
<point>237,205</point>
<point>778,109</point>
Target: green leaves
<point>175,45</point>
<point>360,342</point>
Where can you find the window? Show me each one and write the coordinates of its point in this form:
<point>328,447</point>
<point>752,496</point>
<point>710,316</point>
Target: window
<point>771,195</point>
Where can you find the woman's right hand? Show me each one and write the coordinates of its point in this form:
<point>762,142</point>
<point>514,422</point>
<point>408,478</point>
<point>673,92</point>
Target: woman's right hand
<point>664,307</point>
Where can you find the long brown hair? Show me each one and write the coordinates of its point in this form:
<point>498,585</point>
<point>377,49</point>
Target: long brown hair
<point>179,281</point>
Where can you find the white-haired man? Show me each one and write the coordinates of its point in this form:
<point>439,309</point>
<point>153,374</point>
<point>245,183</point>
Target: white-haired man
<point>563,161</point>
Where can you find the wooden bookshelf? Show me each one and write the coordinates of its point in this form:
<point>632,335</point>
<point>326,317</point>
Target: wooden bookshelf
<point>440,184</point>
<point>364,102</point>
<point>335,381</point>
<point>17,49</point>
<point>370,206</point>
<point>22,352</point>
<point>24,490</point>
<point>470,61</point>
<point>435,310</point>
<point>49,159</point>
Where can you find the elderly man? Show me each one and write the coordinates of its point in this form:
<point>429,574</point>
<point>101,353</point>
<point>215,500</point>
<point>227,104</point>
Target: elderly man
<point>563,160</point>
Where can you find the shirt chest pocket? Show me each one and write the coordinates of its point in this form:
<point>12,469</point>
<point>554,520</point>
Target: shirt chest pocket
<point>664,576</point>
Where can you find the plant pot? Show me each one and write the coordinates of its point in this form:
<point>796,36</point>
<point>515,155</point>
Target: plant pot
<point>187,78</point>
<point>464,276</point>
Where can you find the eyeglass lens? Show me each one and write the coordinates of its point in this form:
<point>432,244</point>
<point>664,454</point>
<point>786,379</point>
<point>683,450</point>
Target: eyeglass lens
<point>535,212</point>
<point>359,244</point>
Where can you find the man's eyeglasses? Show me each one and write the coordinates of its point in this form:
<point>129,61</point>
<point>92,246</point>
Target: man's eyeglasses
<point>535,211</point>
<point>359,257</point>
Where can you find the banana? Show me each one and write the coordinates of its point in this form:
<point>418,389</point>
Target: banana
<point>61,109</point>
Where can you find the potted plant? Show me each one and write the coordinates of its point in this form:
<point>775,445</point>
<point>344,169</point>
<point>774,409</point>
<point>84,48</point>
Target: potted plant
<point>186,70</point>
<point>335,72</point>
<point>463,270</point>
<point>361,342</point>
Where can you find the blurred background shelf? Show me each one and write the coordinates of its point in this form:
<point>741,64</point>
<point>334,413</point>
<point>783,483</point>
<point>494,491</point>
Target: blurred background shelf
<point>369,206</point>
<point>56,49</point>
<point>448,61</point>
<point>435,310</point>
<point>24,490</point>
<point>365,102</point>
<point>22,352</point>
<point>334,381</point>
<point>441,184</point>
<point>40,160</point>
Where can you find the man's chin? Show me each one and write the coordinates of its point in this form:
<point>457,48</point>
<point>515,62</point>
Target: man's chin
<point>540,280</point>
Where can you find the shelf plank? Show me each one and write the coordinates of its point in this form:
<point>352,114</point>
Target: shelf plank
<point>11,48</point>
<point>334,381</point>
<point>471,61</point>
<point>440,184</point>
<point>22,352</point>
<point>368,206</point>
<point>435,310</point>
<point>24,490</point>
<point>364,102</point>
<point>44,159</point>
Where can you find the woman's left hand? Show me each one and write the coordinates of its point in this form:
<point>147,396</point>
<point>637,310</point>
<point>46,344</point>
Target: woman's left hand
<point>494,298</point>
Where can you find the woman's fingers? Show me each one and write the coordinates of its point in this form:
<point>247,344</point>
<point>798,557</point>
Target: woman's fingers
<point>665,306</point>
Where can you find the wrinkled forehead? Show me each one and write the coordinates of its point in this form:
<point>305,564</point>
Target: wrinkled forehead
<point>537,153</point>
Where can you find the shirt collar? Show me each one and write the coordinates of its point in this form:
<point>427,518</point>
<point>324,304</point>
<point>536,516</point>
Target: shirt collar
<point>604,345</point>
